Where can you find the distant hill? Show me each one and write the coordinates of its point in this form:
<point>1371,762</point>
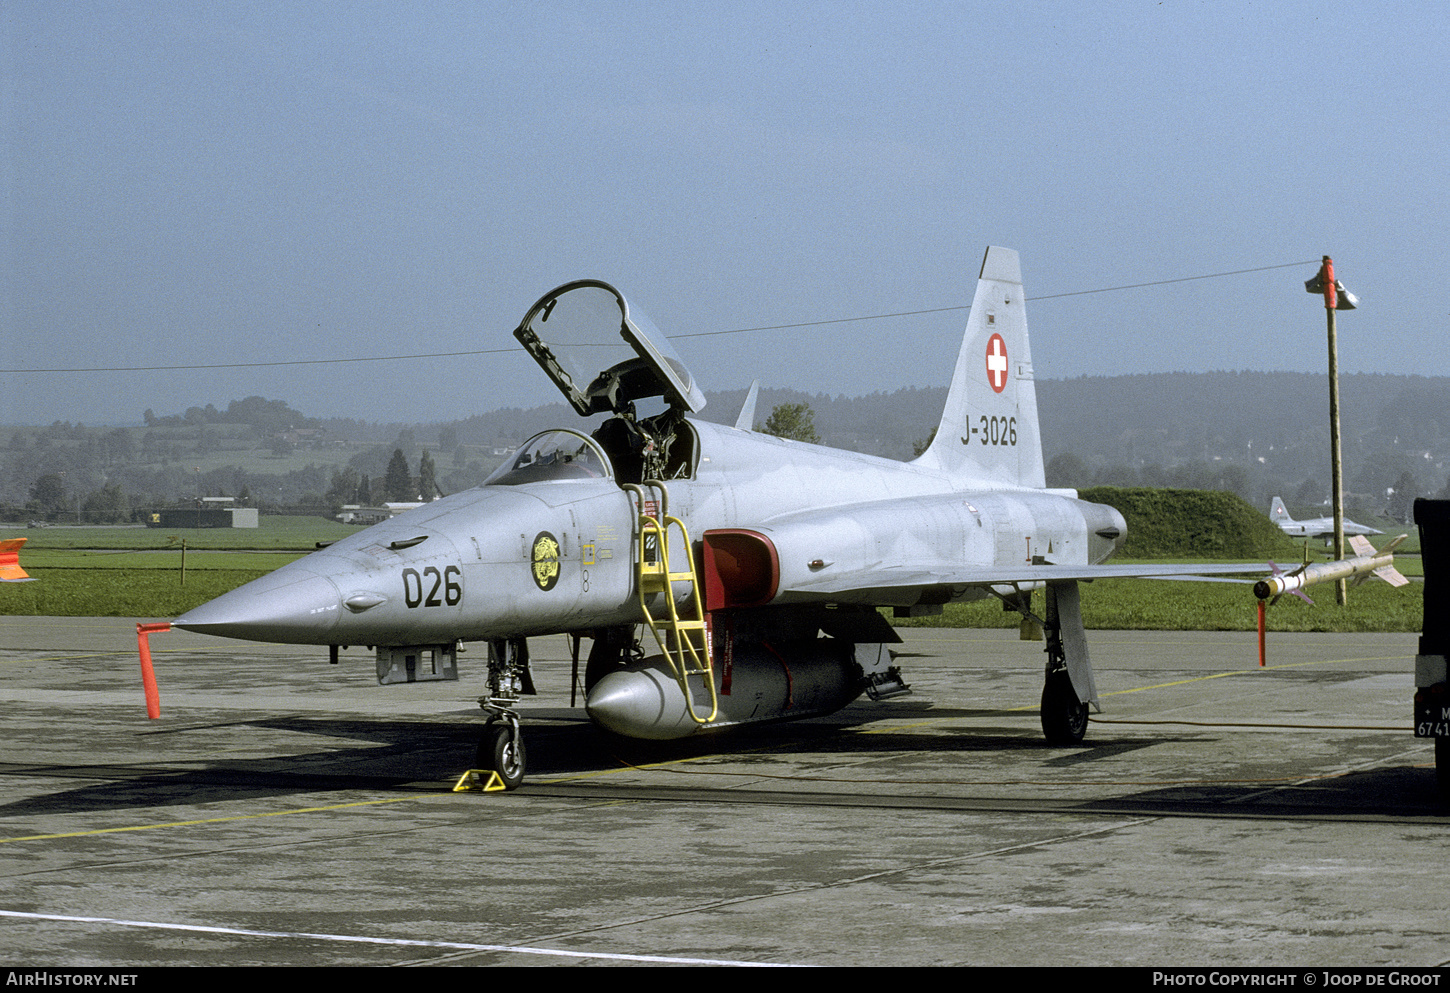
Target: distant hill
<point>1256,434</point>
<point>1259,434</point>
<point>1173,524</point>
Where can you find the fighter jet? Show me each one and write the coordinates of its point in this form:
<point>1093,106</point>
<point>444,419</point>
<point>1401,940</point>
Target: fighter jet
<point>723,576</point>
<point>1318,527</point>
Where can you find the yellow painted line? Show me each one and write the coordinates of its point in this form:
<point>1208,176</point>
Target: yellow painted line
<point>757,774</point>
<point>213,820</point>
<point>627,767</point>
<point>1234,672</point>
<point>1250,672</point>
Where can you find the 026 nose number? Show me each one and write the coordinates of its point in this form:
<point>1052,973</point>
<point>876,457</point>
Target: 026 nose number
<point>432,580</point>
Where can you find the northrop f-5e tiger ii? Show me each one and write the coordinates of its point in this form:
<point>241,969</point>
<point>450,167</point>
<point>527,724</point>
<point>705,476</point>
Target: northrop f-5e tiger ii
<point>724,576</point>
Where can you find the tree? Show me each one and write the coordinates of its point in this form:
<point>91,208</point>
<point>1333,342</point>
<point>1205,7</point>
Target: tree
<point>108,505</point>
<point>794,421</point>
<point>48,495</point>
<point>118,447</point>
<point>1402,497</point>
<point>922,444</point>
<point>344,487</point>
<point>427,476</point>
<point>1066,469</point>
<point>398,483</point>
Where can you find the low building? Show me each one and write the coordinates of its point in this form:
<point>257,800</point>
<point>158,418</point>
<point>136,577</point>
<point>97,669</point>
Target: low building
<point>208,512</point>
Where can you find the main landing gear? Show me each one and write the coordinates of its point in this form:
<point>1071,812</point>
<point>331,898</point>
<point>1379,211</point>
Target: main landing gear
<point>1064,709</point>
<point>1064,716</point>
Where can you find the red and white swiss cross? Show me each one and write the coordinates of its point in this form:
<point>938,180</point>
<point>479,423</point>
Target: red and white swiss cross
<point>997,363</point>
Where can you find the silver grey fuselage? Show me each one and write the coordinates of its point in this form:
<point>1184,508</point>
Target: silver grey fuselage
<point>847,527</point>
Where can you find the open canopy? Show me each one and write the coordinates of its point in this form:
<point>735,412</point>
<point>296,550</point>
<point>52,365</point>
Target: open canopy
<point>602,353</point>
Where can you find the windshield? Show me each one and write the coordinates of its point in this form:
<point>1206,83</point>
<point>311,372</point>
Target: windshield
<point>602,353</point>
<point>553,455</point>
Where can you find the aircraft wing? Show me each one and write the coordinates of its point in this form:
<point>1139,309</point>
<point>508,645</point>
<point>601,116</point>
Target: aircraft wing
<point>931,550</point>
<point>905,584</point>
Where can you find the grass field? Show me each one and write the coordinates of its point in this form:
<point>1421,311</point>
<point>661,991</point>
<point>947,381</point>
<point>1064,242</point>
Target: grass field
<point>279,533</point>
<point>137,572</point>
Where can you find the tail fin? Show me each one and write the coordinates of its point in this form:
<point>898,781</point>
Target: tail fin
<point>1361,546</point>
<point>989,431</point>
<point>1279,513</point>
<point>746,420</point>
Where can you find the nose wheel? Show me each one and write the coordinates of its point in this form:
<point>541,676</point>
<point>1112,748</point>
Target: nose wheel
<point>502,751</point>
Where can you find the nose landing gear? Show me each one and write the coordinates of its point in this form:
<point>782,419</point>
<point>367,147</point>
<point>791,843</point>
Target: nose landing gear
<point>501,749</point>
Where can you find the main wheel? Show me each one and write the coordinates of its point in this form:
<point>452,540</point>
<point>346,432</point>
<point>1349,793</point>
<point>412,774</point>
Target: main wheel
<point>502,751</point>
<point>1064,716</point>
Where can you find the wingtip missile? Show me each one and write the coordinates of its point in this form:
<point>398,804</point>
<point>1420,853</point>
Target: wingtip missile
<point>1359,568</point>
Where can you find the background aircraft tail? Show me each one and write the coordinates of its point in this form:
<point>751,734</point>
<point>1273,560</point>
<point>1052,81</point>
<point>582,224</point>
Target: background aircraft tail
<point>989,431</point>
<point>1280,513</point>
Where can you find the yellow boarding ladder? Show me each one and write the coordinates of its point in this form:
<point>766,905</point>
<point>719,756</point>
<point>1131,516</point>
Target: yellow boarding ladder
<point>684,641</point>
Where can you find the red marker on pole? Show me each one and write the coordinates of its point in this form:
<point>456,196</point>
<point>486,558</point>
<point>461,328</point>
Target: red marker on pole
<point>1335,298</point>
<point>148,675</point>
<point>1261,634</point>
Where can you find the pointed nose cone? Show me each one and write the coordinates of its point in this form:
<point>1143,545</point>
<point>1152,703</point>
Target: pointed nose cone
<point>289,606</point>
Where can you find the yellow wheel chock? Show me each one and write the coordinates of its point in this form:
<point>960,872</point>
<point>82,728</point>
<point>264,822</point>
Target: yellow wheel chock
<point>479,781</point>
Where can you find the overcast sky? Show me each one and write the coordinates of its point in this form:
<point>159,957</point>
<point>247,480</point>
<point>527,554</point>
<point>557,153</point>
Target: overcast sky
<point>199,184</point>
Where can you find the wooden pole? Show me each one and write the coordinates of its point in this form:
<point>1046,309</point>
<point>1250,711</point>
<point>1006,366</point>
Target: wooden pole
<point>1331,303</point>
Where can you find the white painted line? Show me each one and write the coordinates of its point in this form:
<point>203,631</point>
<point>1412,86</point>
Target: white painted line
<point>401,942</point>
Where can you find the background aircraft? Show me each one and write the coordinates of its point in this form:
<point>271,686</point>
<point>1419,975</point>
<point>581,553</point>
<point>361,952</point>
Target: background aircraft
<point>1317,527</point>
<point>770,612</point>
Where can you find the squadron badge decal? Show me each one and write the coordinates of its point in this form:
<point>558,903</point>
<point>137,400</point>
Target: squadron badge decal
<point>545,565</point>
